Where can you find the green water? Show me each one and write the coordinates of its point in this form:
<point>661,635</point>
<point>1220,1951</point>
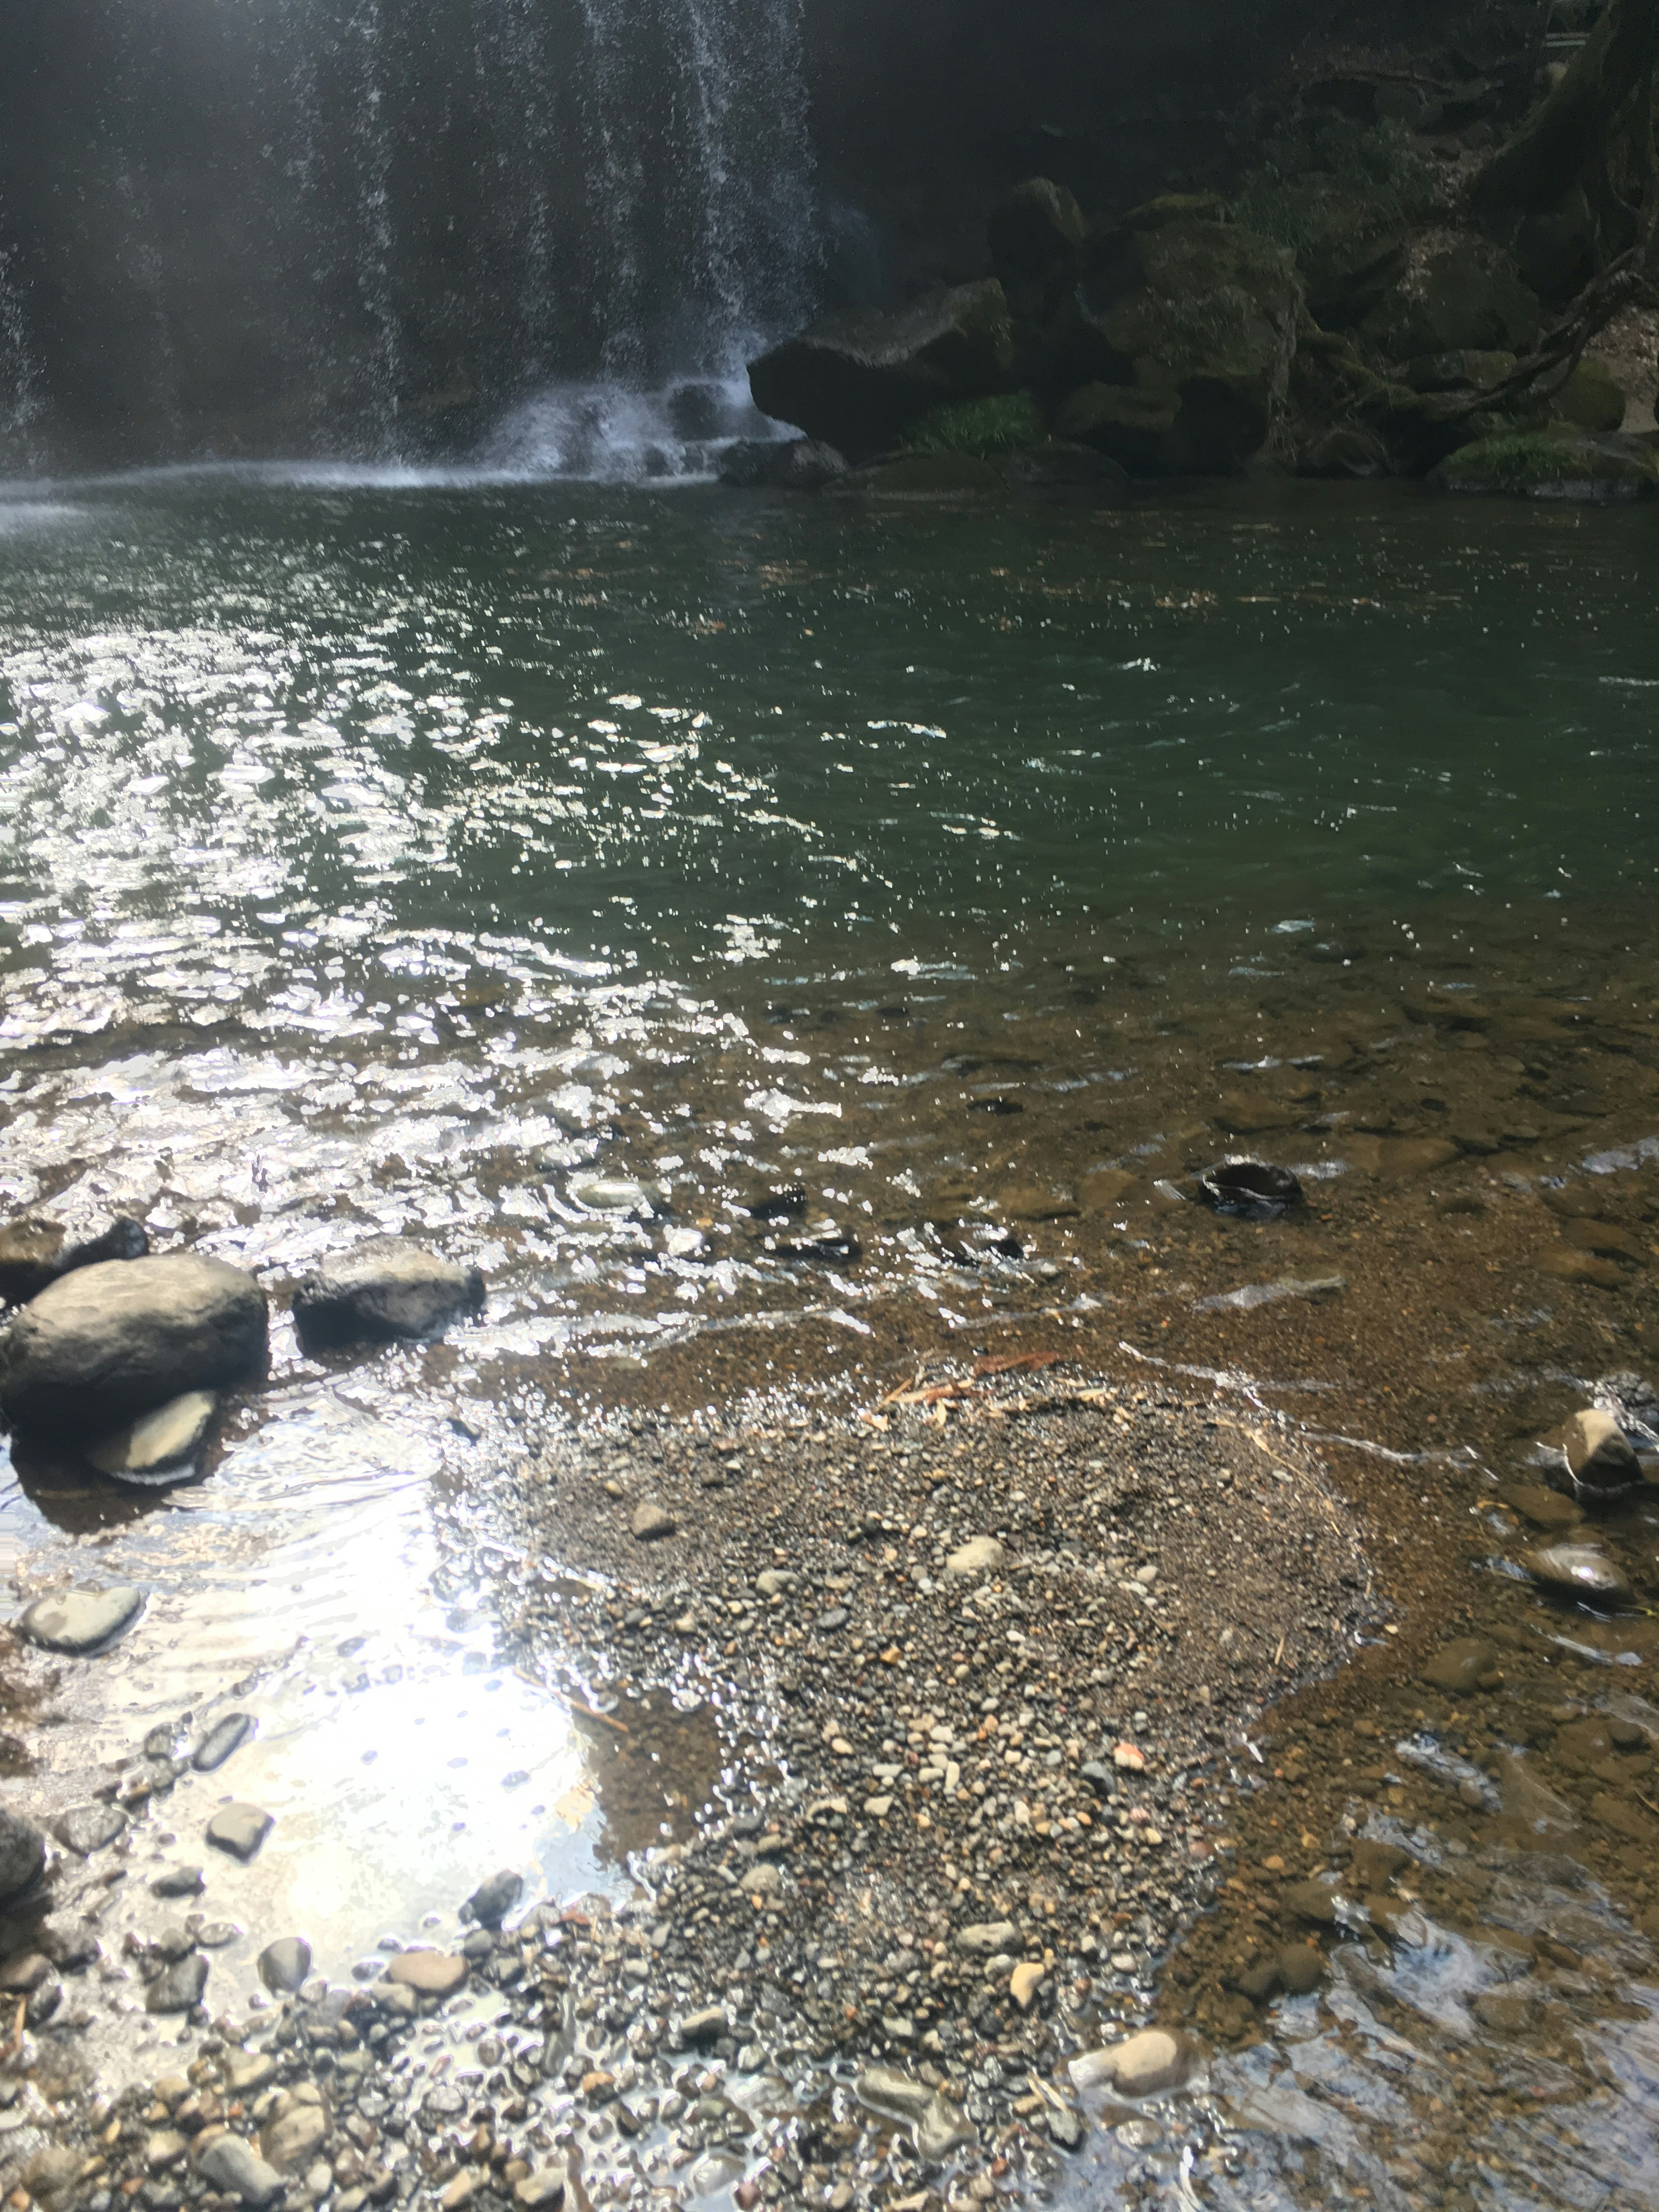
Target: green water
<point>668,736</point>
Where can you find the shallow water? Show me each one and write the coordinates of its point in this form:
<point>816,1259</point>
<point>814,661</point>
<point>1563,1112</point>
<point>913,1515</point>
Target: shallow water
<point>554,873</point>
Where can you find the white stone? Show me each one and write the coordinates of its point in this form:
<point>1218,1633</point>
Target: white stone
<point>980,1555</point>
<point>80,1620</point>
<point>164,1439</point>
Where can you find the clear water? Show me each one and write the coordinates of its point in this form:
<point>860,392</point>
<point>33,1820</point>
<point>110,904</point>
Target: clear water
<point>549,870</point>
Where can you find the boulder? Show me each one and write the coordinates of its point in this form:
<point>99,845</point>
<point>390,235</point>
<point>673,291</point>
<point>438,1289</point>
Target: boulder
<point>33,1253</point>
<point>1036,235</point>
<point>1350,245</point>
<point>1459,291</point>
<point>1592,398</point>
<point>109,1342</point>
<point>1468,369</point>
<point>787,465</point>
<point>383,1291</point>
<point>1183,339</point>
<point>859,378</point>
<point>1560,462</point>
<point>1058,465</point>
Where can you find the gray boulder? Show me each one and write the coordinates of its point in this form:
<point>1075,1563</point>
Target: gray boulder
<point>771,465</point>
<point>22,1853</point>
<point>107,1343</point>
<point>384,1290</point>
<point>857,379</point>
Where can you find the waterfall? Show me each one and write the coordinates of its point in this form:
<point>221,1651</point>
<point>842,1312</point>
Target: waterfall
<point>21,406</point>
<point>381,227</point>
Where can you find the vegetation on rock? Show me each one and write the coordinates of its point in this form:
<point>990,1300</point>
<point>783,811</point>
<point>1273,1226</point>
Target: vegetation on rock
<point>1000,423</point>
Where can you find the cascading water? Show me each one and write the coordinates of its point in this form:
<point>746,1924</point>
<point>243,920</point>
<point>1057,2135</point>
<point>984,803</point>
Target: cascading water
<point>542,233</point>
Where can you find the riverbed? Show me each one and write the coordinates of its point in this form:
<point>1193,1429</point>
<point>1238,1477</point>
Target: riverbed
<point>798,949</point>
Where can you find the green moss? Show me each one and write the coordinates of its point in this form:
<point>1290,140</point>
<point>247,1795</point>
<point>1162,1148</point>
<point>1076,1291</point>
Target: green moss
<point>1000,424</point>
<point>1559,462</point>
<point>1344,199</point>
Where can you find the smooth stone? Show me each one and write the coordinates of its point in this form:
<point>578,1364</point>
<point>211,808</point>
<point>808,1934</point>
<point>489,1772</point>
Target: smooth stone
<point>1569,1264</point>
<point>179,1881</point>
<point>69,1940</point>
<point>1301,1969</point>
<point>386,1290</point>
<point>1025,1983</point>
<point>22,1852</point>
<point>1065,2127</point>
<point>1600,1455</point>
<point>1149,2063</point>
<point>84,1829</point>
<point>980,1555</point>
<point>234,2167</point>
<point>246,2071</point>
<point>492,1900</point>
<point>179,1986</point>
<point>1607,1239</point>
<point>109,1343</point>
<point>1458,1666</point>
<point>77,1621</point>
<point>163,2148</point>
<point>1372,1863</point>
<point>1107,1188</point>
<point>764,1880</point>
<point>887,2089</point>
<point>1309,1900</point>
<point>543,2192</point>
<point>940,2128</point>
<point>1035,1202</point>
<point>288,2142</point>
<point>167,1439</point>
<point>1545,1509</point>
<point>1577,1570</point>
<point>705,2027</point>
<point>227,1735</point>
<point>651,1523</point>
<point>239,1830</point>
<point>988,1935</point>
<point>429,1973</point>
<point>284,1965</point>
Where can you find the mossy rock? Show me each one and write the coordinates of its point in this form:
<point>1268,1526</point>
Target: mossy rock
<point>859,380</point>
<point>1350,247</point>
<point>1345,451</point>
<point>929,475</point>
<point>1469,370</point>
<point>1177,207</point>
<point>1459,292</point>
<point>1592,396</point>
<point>1200,319</point>
<point>1560,462</point>
<point>1000,423</point>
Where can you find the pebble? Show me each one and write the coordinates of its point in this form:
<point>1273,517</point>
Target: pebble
<point>235,2167</point>
<point>988,1935</point>
<point>226,1735</point>
<point>84,1829</point>
<point>492,1900</point>
<point>543,2192</point>
<point>1309,1900</point>
<point>168,1438</point>
<point>1301,1969</point>
<point>1458,1666</point>
<point>980,1555</point>
<point>430,1973</point>
<point>178,1986</point>
<point>1545,1509</point>
<point>1600,1456</point>
<point>1147,2064</point>
<point>288,2141</point>
<point>650,1523</point>
<point>1578,1571</point>
<point>284,1964</point>
<point>79,1621</point>
<point>239,1830</point>
<point>179,1881</point>
<point>704,2027</point>
<point>1025,1983</point>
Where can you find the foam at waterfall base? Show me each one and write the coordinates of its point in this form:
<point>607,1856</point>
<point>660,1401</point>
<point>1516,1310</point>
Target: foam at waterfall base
<point>610,433</point>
